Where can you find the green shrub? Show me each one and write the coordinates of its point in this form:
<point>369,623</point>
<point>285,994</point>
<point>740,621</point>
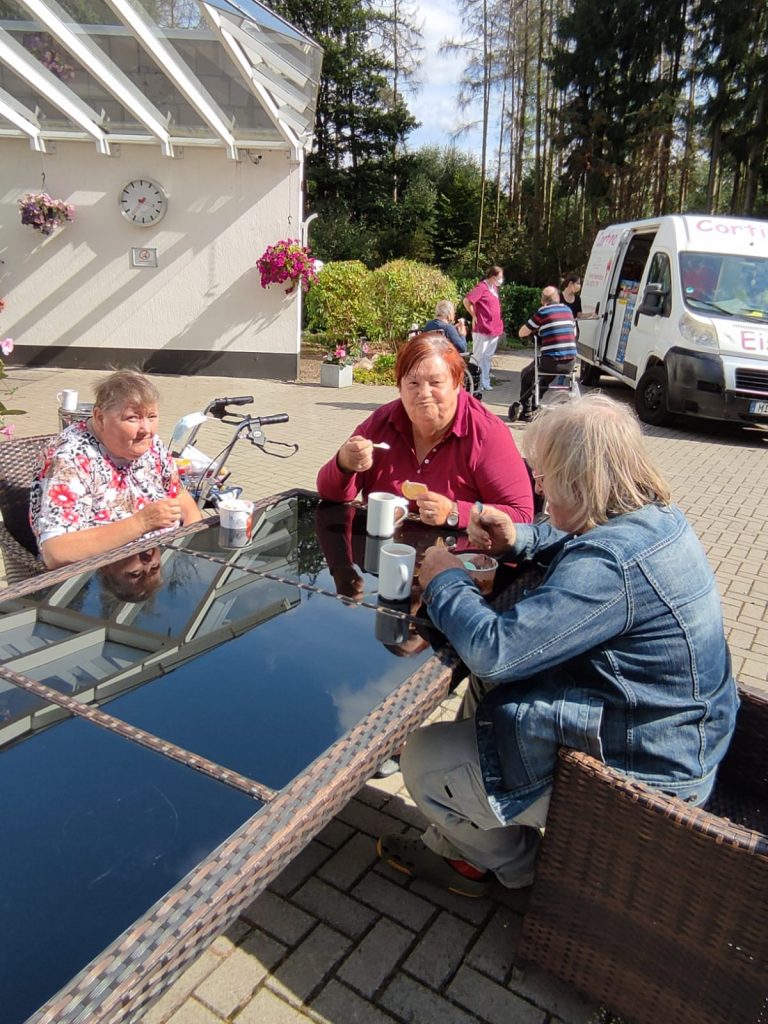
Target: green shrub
<point>339,302</point>
<point>404,292</point>
<point>518,302</point>
<point>382,371</point>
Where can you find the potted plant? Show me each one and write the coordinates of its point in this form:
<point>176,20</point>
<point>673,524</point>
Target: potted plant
<point>336,367</point>
<point>287,260</point>
<point>43,213</point>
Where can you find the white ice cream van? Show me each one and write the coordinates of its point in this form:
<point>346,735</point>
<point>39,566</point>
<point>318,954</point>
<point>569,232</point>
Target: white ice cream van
<point>682,316</point>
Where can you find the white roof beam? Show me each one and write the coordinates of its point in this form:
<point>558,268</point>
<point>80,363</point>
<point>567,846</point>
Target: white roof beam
<point>100,66</point>
<point>246,69</point>
<point>174,68</point>
<point>42,81</point>
<point>267,52</point>
<point>24,119</point>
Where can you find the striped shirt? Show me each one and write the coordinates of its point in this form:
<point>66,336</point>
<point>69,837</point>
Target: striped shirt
<point>556,329</point>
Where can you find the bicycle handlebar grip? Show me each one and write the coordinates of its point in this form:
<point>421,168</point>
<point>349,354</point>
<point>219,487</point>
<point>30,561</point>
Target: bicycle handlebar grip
<point>242,400</point>
<point>280,417</point>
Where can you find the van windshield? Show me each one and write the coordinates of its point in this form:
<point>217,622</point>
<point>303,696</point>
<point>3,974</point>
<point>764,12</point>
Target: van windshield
<point>730,286</point>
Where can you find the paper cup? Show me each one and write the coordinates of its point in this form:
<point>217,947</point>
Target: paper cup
<point>482,568</point>
<point>235,523</point>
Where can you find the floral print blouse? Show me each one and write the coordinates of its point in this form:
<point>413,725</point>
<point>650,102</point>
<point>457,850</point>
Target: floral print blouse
<point>79,485</point>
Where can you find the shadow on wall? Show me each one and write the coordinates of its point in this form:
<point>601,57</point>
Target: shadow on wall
<point>142,287</point>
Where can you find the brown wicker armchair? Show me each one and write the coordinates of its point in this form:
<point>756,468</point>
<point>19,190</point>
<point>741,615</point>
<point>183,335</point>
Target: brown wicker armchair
<point>655,909</point>
<point>17,542</point>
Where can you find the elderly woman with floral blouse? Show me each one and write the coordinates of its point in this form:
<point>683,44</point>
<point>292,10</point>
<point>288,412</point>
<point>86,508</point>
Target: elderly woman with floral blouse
<point>109,480</point>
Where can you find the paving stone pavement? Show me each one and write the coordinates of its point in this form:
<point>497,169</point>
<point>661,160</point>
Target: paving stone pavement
<point>337,937</point>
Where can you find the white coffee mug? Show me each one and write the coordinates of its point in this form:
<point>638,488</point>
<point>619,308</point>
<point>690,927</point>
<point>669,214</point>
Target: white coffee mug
<point>383,509</point>
<point>235,523</point>
<point>396,565</point>
<point>67,400</point>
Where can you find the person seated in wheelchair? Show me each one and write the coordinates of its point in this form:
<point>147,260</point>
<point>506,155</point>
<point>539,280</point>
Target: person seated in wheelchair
<point>555,329</point>
<point>445,320</point>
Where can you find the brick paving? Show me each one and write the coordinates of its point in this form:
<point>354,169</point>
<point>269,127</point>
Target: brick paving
<point>338,937</point>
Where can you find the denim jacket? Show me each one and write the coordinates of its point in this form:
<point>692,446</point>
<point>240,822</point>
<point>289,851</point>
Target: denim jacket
<point>620,653</point>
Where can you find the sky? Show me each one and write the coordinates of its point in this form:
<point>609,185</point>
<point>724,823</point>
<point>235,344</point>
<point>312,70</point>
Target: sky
<point>436,103</point>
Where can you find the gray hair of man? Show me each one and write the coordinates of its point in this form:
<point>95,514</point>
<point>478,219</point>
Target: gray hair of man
<point>550,296</point>
<point>445,310</point>
<point>592,454</point>
<point>123,388</point>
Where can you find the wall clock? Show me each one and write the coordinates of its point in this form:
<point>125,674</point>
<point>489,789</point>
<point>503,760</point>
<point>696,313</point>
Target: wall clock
<point>143,202</point>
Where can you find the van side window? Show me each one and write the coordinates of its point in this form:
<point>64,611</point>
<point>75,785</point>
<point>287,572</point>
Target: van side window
<point>660,273</point>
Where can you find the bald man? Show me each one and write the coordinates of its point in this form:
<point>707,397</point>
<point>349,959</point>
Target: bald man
<point>555,328</point>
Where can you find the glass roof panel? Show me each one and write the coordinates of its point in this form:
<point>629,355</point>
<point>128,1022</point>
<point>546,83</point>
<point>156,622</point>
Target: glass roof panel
<point>285,62</point>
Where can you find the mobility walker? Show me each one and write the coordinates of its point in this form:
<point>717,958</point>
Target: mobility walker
<point>546,388</point>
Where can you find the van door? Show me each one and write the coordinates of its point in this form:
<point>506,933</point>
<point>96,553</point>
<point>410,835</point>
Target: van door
<point>618,323</point>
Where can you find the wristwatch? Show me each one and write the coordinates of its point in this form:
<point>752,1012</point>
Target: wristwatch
<point>452,518</point>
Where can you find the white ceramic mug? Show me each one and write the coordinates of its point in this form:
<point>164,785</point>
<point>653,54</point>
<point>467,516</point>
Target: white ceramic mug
<point>235,523</point>
<point>67,400</point>
<point>384,511</point>
<point>396,565</point>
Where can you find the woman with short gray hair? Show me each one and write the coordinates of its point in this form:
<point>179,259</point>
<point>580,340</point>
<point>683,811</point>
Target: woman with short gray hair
<point>619,652</point>
<point>445,321</point>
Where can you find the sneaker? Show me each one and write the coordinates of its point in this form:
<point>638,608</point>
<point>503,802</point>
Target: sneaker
<point>487,387</point>
<point>407,853</point>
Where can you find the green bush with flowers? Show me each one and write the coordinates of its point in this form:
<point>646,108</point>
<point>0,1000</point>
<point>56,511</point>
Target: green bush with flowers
<point>287,260</point>
<point>340,302</point>
<point>404,292</point>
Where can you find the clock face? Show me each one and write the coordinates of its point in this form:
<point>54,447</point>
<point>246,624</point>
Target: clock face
<point>143,202</point>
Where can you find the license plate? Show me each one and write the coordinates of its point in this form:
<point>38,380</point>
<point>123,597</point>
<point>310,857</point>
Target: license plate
<point>759,408</point>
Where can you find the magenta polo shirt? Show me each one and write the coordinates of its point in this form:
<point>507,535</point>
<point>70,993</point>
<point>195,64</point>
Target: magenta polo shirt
<point>485,300</point>
<point>477,460</point>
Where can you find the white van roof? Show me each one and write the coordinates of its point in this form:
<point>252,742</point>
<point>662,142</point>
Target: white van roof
<point>698,233</point>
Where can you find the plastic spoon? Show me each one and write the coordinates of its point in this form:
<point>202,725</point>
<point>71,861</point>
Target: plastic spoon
<point>382,444</point>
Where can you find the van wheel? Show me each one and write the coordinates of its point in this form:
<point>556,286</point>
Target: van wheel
<point>651,397</point>
<point>589,375</point>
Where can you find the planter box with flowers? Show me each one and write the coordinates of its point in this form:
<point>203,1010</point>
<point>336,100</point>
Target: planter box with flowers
<point>337,367</point>
<point>289,261</point>
<point>44,214</point>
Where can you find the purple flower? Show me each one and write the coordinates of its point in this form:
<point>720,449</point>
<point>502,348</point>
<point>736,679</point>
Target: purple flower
<point>8,431</point>
<point>6,346</point>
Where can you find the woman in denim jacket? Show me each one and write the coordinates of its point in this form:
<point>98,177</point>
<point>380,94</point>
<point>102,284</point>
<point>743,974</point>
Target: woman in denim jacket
<point>619,652</point>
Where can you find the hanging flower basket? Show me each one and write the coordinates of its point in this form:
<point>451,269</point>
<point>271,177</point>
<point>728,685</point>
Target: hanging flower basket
<point>286,260</point>
<point>43,213</point>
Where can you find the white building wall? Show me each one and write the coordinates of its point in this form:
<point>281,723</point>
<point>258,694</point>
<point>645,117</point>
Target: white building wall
<point>73,298</point>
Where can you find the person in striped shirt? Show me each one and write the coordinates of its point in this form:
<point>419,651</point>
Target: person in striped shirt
<point>555,328</point>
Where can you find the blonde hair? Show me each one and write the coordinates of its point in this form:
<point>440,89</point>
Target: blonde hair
<point>593,455</point>
<point>123,388</point>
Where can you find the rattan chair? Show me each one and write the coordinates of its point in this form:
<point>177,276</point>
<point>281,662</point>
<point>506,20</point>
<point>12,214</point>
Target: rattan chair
<point>17,542</point>
<point>655,909</point>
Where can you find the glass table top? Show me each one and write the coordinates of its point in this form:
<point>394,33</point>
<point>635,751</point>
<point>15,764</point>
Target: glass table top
<point>247,657</point>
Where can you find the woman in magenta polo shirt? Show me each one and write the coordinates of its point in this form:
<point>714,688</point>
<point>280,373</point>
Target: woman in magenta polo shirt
<point>438,435</point>
<point>487,326</point>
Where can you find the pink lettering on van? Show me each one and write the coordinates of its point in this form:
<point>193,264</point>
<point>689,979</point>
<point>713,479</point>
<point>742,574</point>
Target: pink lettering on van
<point>754,341</point>
<point>746,227</point>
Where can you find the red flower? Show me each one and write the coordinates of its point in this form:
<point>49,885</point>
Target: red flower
<point>83,462</point>
<point>140,503</point>
<point>102,516</point>
<point>70,516</point>
<point>173,489</point>
<point>61,495</point>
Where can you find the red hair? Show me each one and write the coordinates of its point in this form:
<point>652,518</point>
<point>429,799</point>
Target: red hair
<point>424,346</point>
